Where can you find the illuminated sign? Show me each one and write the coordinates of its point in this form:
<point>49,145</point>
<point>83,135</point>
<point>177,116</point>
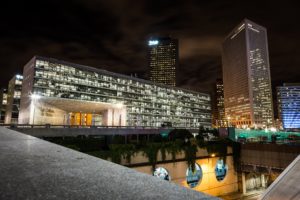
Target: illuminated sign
<point>153,42</point>
<point>162,173</point>
<point>194,177</point>
<point>221,170</point>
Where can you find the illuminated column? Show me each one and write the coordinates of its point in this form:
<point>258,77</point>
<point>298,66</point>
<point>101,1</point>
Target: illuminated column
<point>263,183</point>
<point>244,183</point>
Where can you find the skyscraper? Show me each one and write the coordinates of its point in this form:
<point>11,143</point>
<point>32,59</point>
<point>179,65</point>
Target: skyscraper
<point>3,102</point>
<point>13,99</point>
<point>163,60</point>
<point>288,97</point>
<point>219,119</point>
<point>246,76</point>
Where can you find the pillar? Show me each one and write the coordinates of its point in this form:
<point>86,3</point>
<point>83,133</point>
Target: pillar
<point>244,183</point>
<point>262,179</point>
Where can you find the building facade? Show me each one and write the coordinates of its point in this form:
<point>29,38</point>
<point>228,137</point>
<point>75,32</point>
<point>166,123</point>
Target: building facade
<point>13,100</point>
<point>288,101</point>
<point>3,103</point>
<point>59,92</point>
<point>163,60</point>
<point>219,119</point>
<point>246,76</point>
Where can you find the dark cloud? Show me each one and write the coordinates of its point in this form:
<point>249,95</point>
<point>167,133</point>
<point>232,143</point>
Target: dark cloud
<point>112,34</point>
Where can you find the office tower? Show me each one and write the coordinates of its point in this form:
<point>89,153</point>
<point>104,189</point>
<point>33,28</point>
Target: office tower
<point>246,76</point>
<point>288,100</point>
<point>163,60</point>
<point>3,102</point>
<point>219,119</point>
<point>13,100</point>
<point>59,92</point>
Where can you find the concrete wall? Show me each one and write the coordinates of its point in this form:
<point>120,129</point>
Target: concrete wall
<point>209,184</point>
<point>28,77</point>
<point>269,155</point>
<point>177,170</point>
<point>114,117</point>
<point>42,113</point>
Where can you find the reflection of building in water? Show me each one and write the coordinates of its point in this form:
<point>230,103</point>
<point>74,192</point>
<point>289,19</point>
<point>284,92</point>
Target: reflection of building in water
<point>220,170</point>
<point>193,177</point>
<point>59,92</point>
<point>162,173</point>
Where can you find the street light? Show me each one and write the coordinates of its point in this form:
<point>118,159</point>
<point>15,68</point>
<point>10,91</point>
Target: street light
<point>35,98</point>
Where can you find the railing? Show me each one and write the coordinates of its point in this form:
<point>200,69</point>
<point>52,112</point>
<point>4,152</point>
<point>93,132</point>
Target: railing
<point>88,126</point>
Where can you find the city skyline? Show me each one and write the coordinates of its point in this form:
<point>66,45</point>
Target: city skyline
<point>78,33</point>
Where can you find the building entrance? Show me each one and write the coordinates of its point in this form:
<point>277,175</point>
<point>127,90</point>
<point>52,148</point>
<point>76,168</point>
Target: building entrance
<point>84,119</point>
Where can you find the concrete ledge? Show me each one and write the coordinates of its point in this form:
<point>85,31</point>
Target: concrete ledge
<point>35,169</point>
<point>286,186</point>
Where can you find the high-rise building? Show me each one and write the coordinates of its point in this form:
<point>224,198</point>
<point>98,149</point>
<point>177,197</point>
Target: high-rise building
<point>13,100</point>
<point>246,76</point>
<point>3,102</point>
<point>59,92</point>
<point>288,101</point>
<point>163,60</point>
<point>219,119</point>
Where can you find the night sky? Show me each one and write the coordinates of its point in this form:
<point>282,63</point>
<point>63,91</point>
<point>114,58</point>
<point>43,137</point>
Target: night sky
<point>112,34</point>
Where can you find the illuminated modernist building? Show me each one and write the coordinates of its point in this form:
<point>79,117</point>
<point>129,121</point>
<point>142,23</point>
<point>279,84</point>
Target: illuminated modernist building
<point>13,99</point>
<point>163,60</point>
<point>246,76</point>
<point>3,102</point>
<point>219,119</point>
<point>59,92</point>
<point>288,97</point>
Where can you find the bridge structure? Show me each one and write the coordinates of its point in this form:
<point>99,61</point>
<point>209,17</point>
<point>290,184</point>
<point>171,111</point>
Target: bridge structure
<point>262,163</point>
<point>48,130</point>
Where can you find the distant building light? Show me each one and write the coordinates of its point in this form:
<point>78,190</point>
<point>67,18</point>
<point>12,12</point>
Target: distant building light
<point>35,96</point>
<point>153,42</point>
<point>19,76</point>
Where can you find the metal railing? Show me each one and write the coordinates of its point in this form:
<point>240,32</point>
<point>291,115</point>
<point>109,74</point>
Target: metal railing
<point>89,126</point>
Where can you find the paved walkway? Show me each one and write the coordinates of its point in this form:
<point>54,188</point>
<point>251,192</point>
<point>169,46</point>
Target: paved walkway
<point>31,168</point>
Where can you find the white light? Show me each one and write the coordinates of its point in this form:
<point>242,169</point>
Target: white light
<point>266,130</point>
<point>35,96</point>
<point>153,42</point>
<point>273,129</point>
<point>119,105</point>
<point>19,76</point>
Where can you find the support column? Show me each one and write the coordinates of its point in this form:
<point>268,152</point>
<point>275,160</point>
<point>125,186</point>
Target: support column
<point>244,183</point>
<point>262,179</point>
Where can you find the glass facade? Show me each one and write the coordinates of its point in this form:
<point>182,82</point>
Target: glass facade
<point>13,100</point>
<point>246,76</point>
<point>219,119</point>
<point>3,103</point>
<point>288,97</point>
<point>163,60</point>
<point>146,103</point>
